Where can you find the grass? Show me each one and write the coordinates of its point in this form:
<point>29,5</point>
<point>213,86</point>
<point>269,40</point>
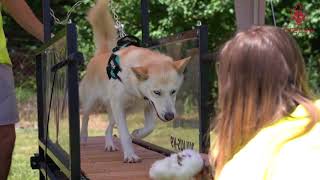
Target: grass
<point>24,94</point>
<point>26,146</point>
<point>161,135</point>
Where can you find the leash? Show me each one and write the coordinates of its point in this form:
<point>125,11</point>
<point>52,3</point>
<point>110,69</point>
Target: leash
<point>118,25</point>
<point>113,67</point>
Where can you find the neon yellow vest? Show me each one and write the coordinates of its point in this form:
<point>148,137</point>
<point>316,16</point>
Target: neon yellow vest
<point>4,55</point>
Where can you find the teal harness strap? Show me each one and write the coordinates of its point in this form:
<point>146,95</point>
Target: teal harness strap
<point>113,67</point>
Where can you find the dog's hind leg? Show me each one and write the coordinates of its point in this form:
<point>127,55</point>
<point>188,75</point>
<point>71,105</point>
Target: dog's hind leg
<point>150,117</point>
<point>109,145</point>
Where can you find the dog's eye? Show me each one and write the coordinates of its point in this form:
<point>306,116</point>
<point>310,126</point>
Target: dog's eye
<point>158,93</point>
<point>173,92</point>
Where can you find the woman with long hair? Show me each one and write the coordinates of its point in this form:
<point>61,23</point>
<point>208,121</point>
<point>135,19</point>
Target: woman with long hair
<point>268,121</point>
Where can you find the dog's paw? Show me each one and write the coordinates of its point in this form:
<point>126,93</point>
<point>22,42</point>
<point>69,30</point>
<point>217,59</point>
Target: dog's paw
<point>83,140</point>
<point>131,158</point>
<point>141,133</point>
<point>110,147</point>
<point>136,133</point>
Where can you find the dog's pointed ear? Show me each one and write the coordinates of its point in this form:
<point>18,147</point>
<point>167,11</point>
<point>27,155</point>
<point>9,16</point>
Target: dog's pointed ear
<point>181,65</point>
<point>140,72</point>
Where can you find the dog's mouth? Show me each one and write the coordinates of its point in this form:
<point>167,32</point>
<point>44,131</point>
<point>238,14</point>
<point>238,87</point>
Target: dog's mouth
<point>156,110</point>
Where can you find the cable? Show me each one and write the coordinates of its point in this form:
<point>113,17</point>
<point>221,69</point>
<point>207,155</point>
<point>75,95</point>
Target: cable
<point>47,125</point>
<point>273,15</point>
<point>66,20</point>
<point>118,25</point>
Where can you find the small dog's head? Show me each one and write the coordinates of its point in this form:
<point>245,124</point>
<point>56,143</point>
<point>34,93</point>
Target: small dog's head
<point>160,83</point>
<point>181,166</point>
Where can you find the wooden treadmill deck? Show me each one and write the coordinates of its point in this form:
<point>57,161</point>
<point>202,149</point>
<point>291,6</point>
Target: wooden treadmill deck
<point>98,164</point>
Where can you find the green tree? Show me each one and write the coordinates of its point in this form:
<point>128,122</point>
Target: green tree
<point>168,17</point>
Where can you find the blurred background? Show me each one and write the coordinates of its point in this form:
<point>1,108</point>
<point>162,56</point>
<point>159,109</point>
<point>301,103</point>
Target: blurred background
<point>167,17</point>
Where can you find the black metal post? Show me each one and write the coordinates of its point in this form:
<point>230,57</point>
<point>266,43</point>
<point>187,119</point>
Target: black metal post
<point>40,107</point>
<point>145,22</point>
<point>46,19</point>
<point>41,77</point>
<point>73,101</point>
<point>205,89</point>
<point>40,96</point>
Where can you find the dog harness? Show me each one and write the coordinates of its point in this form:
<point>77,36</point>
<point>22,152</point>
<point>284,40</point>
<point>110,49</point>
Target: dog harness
<point>113,67</point>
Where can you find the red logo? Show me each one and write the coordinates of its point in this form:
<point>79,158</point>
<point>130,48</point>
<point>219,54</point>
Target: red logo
<point>297,15</point>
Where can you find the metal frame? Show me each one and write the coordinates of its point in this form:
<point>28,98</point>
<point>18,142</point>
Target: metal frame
<point>58,163</point>
<point>73,93</point>
<point>145,22</point>
<point>191,34</point>
<point>206,101</point>
<point>40,107</point>
<point>205,84</point>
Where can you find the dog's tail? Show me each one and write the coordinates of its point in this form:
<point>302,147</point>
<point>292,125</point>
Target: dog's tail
<point>105,35</point>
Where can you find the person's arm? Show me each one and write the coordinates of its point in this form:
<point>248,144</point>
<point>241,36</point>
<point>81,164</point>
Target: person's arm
<point>24,16</point>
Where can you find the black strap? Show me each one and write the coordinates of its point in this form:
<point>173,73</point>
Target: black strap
<point>72,58</point>
<point>113,67</point>
<point>128,40</point>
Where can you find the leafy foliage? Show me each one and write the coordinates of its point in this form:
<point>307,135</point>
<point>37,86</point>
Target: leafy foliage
<point>309,42</point>
<point>168,17</point>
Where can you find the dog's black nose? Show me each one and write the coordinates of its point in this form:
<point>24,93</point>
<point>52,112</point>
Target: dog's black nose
<point>169,116</point>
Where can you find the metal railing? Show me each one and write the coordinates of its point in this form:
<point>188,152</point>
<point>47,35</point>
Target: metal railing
<point>205,99</point>
<point>56,159</point>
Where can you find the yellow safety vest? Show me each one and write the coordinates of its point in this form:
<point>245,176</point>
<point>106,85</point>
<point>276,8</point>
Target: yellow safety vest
<point>4,55</point>
<point>271,156</point>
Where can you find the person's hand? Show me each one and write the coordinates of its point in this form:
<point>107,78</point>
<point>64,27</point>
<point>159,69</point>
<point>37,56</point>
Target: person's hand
<point>206,171</point>
<point>205,158</point>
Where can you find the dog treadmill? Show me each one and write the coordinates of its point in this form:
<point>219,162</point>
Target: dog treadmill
<point>60,154</point>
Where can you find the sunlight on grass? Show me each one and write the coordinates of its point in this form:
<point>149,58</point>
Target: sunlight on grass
<point>26,146</point>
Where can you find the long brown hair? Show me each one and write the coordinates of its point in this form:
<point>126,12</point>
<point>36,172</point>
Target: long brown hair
<point>261,78</point>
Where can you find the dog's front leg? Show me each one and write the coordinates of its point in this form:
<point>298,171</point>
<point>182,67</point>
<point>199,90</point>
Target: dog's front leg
<point>125,138</point>
<point>109,145</point>
<point>150,117</point>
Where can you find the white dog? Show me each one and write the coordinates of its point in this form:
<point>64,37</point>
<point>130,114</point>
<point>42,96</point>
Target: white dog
<point>181,166</point>
<point>149,80</point>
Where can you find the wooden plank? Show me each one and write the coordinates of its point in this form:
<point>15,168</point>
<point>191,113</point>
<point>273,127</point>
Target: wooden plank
<point>97,164</point>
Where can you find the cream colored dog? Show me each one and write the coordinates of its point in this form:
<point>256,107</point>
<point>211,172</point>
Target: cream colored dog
<point>150,80</point>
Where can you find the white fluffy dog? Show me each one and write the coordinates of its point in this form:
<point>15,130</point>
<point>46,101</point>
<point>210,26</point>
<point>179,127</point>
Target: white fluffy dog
<point>181,166</point>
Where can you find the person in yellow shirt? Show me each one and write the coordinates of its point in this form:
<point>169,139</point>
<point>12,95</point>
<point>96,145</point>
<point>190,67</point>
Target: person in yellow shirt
<point>24,16</point>
<point>268,125</point>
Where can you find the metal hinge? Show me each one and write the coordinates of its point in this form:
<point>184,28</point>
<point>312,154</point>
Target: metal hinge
<point>35,161</point>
